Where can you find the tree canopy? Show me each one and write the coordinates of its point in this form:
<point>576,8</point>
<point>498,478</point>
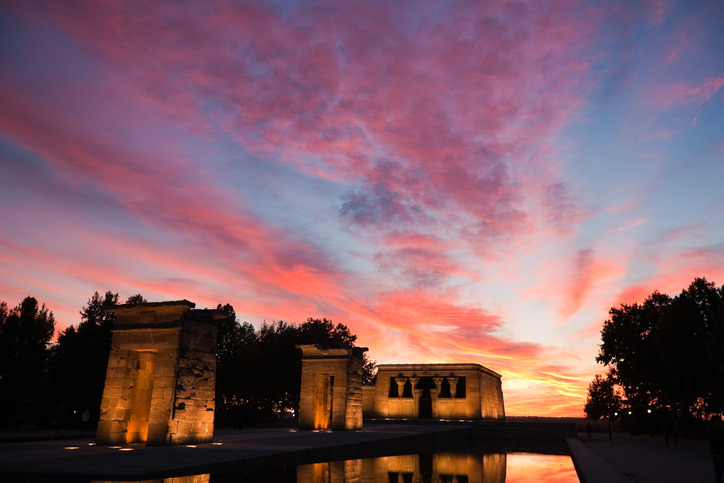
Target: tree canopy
<point>25,335</point>
<point>667,351</point>
<point>80,357</point>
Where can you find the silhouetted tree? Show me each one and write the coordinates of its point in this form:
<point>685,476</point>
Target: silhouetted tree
<point>136,299</point>
<point>667,352</point>
<point>687,327</point>
<point>369,371</point>
<point>280,375</point>
<point>80,358</point>
<point>25,335</point>
<point>236,364</point>
<point>629,348</point>
<point>323,332</point>
<point>603,401</point>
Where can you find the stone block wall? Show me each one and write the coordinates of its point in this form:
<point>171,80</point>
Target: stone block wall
<point>353,396</point>
<point>368,401</point>
<point>193,419</point>
<point>161,375</point>
<point>492,405</point>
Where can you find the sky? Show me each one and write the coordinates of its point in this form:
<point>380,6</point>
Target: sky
<point>454,181</point>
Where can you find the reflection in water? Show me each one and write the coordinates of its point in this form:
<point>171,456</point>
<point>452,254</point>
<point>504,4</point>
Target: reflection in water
<point>524,468</point>
<point>178,479</point>
<point>444,468</point>
<point>422,468</point>
<point>438,467</point>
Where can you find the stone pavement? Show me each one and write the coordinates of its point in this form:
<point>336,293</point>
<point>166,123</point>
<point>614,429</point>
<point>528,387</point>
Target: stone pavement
<point>646,460</point>
<point>44,435</point>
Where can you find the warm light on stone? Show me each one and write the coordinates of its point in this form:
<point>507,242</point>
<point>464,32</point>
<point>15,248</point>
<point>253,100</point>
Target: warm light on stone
<point>203,478</point>
<point>434,391</point>
<point>331,392</point>
<point>161,377</point>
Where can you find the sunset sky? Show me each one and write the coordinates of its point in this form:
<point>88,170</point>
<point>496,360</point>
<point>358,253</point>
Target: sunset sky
<point>454,181</point>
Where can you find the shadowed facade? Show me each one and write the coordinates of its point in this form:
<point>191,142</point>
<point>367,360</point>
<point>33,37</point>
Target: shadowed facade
<point>161,377</point>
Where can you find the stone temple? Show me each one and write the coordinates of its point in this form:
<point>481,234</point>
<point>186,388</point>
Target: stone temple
<point>435,391</point>
<point>161,378</point>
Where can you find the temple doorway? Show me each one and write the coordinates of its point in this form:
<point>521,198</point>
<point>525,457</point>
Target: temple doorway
<point>323,387</point>
<point>426,404</point>
<point>143,365</point>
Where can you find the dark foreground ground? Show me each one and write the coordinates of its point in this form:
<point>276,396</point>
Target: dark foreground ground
<point>627,458</point>
<point>647,460</point>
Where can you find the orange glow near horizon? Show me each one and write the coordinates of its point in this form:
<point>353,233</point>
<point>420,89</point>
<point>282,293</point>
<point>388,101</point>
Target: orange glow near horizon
<point>525,468</point>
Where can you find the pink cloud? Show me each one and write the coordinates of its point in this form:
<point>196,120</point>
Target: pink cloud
<point>292,91</point>
<point>683,94</point>
<point>575,281</point>
<point>175,195</point>
<point>675,272</point>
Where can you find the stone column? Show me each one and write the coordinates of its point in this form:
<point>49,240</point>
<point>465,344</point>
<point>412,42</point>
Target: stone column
<point>453,381</point>
<point>435,395</point>
<point>400,380</point>
<point>438,384</point>
<point>416,393</point>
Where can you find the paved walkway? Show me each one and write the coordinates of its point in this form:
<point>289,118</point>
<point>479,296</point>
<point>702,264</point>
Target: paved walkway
<point>647,460</point>
<point>44,435</point>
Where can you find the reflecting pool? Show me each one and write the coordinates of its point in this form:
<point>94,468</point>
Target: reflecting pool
<point>438,467</point>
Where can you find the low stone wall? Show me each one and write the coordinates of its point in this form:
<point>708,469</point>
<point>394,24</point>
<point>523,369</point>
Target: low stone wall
<point>497,430</point>
<point>523,431</point>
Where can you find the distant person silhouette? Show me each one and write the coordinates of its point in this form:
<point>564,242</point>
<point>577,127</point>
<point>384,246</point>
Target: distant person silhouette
<point>84,418</point>
<point>716,444</point>
<point>589,429</point>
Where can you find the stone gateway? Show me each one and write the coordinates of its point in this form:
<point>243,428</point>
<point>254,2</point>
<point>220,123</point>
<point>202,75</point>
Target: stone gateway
<point>331,392</point>
<point>161,377</point>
